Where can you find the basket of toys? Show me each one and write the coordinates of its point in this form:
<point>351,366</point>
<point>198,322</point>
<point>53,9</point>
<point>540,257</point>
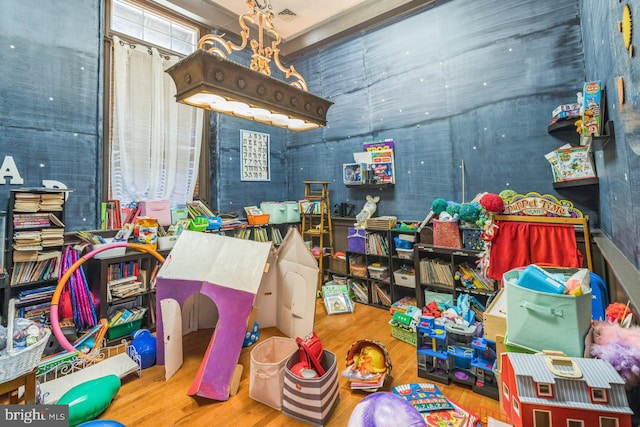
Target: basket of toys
<point>24,347</point>
<point>446,234</point>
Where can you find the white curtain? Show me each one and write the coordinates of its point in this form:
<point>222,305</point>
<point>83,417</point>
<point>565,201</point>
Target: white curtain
<point>155,141</point>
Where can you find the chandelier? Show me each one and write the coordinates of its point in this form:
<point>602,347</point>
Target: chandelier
<point>207,79</point>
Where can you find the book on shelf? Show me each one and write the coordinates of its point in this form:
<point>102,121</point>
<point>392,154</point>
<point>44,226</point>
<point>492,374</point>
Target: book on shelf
<point>360,291</point>
<point>380,296</point>
<point>435,271</point>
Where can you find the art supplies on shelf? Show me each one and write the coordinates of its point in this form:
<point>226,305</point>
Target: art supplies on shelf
<point>336,298</point>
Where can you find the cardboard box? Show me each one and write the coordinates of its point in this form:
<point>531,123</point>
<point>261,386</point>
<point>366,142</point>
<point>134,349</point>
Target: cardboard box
<point>495,317</point>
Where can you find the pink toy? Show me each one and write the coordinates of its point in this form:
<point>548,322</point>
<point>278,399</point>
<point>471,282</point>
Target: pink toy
<point>620,347</point>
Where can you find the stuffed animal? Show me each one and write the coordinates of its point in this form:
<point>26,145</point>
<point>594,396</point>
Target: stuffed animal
<point>367,211</point>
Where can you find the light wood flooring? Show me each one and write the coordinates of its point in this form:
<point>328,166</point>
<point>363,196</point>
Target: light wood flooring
<point>152,401</point>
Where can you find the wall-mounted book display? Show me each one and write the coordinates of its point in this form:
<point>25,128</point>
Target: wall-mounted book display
<point>254,156</point>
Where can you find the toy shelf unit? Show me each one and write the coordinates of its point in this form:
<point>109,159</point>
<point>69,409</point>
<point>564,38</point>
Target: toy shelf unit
<point>35,230</point>
<point>373,266</point>
<point>123,283</point>
<point>316,226</point>
<point>448,272</point>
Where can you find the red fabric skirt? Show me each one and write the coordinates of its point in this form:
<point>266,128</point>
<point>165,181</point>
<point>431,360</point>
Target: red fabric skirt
<point>518,244</point>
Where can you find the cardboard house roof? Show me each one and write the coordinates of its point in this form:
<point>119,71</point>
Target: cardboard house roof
<point>286,298</point>
<point>229,262</point>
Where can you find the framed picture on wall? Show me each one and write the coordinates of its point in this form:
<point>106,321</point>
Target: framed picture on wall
<point>255,156</point>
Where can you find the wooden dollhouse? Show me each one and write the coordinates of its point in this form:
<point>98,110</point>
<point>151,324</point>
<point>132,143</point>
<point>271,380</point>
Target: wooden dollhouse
<point>541,390</point>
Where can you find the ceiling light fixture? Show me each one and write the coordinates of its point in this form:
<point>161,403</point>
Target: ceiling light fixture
<point>207,79</point>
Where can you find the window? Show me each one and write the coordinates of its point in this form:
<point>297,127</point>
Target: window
<point>142,24</point>
<point>608,422</point>
<point>541,418</point>
<point>599,395</point>
<point>153,146</point>
<point>516,406</point>
<point>505,391</point>
<point>544,390</point>
<point>575,423</point>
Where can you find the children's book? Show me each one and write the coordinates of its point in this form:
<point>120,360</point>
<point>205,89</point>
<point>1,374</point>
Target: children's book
<point>336,299</point>
<point>425,397</point>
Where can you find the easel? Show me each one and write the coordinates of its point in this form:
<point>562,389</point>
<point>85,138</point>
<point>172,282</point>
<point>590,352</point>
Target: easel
<point>581,222</point>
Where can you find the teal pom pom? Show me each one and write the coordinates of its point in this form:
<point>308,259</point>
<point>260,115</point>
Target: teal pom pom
<point>438,206</point>
<point>469,213</point>
<point>453,209</point>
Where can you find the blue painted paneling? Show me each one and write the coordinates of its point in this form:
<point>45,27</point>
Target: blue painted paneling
<point>471,80</point>
<point>619,164</point>
<point>50,98</point>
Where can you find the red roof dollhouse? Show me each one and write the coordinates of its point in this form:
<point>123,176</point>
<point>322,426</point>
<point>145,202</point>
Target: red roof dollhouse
<point>543,390</point>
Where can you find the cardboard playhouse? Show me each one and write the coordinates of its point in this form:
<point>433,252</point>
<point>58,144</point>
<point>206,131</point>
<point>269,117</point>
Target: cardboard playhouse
<point>235,274</point>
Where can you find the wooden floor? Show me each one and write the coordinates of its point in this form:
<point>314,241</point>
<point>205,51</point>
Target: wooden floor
<point>152,401</point>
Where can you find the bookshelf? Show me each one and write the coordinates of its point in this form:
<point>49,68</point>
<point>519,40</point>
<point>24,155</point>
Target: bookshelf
<point>124,281</point>
<point>35,239</point>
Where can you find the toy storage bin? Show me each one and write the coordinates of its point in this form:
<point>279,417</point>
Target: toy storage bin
<point>311,400</point>
<point>378,272</point>
<point>404,335</point>
<point>356,240</point>
<point>277,212</point>
<point>338,265</point>
<point>159,209</point>
<point>560,321</point>
<point>359,270</point>
<point>123,329</point>
<point>404,278</point>
<point>258,219</point>
<point>266,378</point>
<point>446,234</point>
<point>405,253</point>
<point>472,240</point>
<point>293,211</point>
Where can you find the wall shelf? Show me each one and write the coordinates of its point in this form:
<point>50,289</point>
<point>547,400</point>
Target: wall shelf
<point>565,130</point>
<point>576,183</point>
<point>386,185</point>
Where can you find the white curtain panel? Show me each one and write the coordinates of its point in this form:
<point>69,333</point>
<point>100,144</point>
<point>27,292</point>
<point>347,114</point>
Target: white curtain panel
<point>155,141</point>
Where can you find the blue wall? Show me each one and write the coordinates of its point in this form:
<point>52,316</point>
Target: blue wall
<point>50,99</point>
<point>470,80</point>
<point>619,164</point>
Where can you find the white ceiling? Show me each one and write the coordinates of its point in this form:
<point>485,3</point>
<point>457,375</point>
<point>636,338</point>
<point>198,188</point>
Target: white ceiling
<point>316,23</point>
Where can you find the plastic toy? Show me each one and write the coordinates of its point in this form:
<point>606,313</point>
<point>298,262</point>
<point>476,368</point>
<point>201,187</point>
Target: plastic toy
<point>383,409</point>
<point>101,423</point>
<point>88,400</point>
<point>368,210</point>
<point>447,352</point>
<point>145,345</point>
<point>546,387</point>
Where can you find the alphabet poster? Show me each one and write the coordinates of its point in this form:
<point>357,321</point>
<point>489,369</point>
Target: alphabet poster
<point>255,156</point>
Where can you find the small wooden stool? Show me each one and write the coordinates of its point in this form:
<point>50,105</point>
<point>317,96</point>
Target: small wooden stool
<point>27,380</point>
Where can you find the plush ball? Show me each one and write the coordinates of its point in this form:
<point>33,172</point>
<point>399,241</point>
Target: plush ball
<point>384,409</point>
<point>507,195</point>
<point>492,202</point>
<point>469,213</point>
<point>438,206</point>
<point>453,208</point>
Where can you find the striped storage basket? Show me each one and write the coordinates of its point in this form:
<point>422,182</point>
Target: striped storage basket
<point>311,400</point>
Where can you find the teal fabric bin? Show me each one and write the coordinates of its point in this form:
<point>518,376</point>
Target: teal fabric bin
<point>545,321</point>
<point>293,211</point>
<point>277,211</point>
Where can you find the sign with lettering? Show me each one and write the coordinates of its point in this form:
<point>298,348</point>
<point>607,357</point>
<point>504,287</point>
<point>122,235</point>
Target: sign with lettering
<point>536,204</point>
